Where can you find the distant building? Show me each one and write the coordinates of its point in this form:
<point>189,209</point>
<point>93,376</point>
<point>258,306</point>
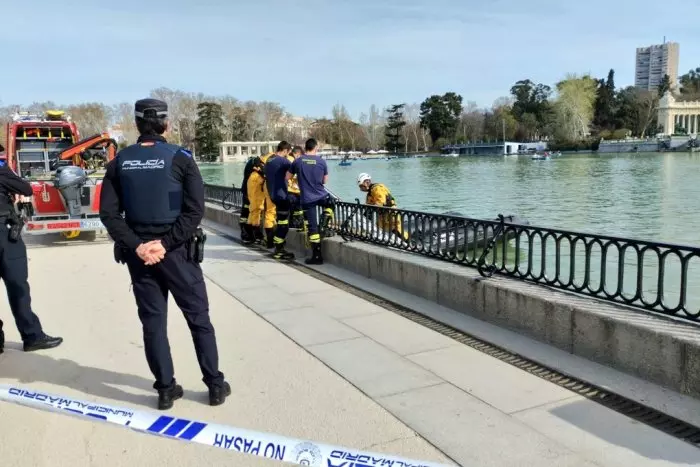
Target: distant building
<point>240,151</point>
<point>298,127</point>
<point>653,63</point>
<point>497,148</point>
<point>676,113</point>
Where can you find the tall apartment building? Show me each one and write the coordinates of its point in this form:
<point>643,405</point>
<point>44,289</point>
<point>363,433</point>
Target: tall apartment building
<point>654,62</point>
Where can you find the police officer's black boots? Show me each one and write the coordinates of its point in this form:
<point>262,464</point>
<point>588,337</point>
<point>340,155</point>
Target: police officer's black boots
<point>218,394</point>
<point>281,253</point>
<point>316,257</point>
<point>166,397</point>
<point>43,343</point>
<point>269,238</point>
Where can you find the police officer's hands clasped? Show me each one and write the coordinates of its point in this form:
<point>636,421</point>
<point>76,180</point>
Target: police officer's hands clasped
<point>151,253</point>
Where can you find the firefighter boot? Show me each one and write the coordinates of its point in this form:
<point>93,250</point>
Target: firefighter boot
<point>316,257</point>
<point>247,236</point>
<point>269,238</point>
<point>257,234</point>
<point>281,253</point>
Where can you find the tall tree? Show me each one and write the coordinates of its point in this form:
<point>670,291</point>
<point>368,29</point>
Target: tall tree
<point>605,100</point>
<point>574,107</point>
<point>440,115</point>
<point>665,85</point>
<point>471,123</point>
<point>690,83</point>
<point>533,100</point>
<point>372,125</point>
<point>208,130</point>
<point>394,127</point>
<point>91,118</point>
<point>637,111</point>
<point>123,120</point>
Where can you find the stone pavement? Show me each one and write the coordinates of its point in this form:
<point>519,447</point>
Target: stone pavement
<point>475,408</point>
<point>307,360</point>
<point>81,294</point>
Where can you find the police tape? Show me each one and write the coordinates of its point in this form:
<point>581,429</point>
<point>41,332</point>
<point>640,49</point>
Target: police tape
<point>268,445</point>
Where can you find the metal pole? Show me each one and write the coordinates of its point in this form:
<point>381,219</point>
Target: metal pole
<point>504,135</point>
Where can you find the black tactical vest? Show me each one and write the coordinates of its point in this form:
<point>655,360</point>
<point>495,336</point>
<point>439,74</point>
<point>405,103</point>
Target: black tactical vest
<point>150,193</point>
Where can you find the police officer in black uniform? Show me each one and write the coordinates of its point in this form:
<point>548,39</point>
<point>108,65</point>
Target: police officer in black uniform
<point>13,266</point>
<point>159,189</point>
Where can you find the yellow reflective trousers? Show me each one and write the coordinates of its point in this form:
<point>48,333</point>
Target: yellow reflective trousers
<point>260,201</point>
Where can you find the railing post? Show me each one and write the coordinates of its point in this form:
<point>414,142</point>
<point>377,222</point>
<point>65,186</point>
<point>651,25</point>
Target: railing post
<point>491,268</point>
<point>344,225</point>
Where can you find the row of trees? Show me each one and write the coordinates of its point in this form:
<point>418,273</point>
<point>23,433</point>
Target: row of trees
<point>577,111</point>
<point>248,121</point>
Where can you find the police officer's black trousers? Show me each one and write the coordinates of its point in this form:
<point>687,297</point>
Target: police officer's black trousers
<point>184,279</point>
<point>14,273</point>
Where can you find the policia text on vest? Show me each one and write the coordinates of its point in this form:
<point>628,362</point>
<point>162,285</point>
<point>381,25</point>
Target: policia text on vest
<point>158,188</point>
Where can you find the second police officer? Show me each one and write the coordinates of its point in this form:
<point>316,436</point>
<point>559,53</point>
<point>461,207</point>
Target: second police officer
<point>159,189</point>
<point>13,265</point>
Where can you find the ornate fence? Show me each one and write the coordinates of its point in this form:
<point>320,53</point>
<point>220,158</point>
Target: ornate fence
<point>659,277</point>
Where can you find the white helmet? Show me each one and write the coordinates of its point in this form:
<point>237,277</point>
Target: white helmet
<point>362,178</point>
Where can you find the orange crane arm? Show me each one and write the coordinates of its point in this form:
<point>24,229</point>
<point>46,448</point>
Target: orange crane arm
<point>99,141</point>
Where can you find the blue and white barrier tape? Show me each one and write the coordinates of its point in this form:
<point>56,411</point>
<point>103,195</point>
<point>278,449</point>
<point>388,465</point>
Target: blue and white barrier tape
<point>256,443</point>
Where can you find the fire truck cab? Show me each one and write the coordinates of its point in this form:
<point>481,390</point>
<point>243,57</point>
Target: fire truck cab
<point>64,171</point>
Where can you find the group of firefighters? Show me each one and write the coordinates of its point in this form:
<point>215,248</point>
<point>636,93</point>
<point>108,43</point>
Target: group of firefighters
<point>282,190</point>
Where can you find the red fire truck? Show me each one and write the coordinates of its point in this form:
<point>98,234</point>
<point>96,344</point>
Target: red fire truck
<point>64,171</point>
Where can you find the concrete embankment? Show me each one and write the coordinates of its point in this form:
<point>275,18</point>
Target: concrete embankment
<point>657,349</point>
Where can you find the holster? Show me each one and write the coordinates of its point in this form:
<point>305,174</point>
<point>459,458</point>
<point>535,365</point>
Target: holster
<point>195,246</point>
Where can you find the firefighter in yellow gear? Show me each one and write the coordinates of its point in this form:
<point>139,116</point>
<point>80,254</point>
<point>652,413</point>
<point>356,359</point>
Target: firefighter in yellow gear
<point>260,201</point>
<point>297,220</point>
<point>379,195</point>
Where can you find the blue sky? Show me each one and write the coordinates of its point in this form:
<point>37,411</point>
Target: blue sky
<point>311,54</point>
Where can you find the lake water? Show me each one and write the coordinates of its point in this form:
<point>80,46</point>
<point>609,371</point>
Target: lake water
<point>648,196</point>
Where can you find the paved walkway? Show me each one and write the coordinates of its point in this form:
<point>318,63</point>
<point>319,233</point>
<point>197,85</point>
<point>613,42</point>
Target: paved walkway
<point>278,387</point>
<point>307,360</point>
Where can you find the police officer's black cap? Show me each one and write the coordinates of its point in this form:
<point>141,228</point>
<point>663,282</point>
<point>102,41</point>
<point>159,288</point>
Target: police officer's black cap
<point>151,108</point>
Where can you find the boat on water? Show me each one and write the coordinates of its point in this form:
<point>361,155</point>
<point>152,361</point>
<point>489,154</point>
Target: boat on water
<point>345,163</point>
<point>455,235</point>
<point>439,237</point>
<point>452,154</point>
<point>546,156</point>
